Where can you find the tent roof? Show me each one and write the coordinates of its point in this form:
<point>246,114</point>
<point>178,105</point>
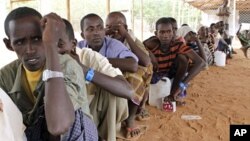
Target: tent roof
<point>241,5</point>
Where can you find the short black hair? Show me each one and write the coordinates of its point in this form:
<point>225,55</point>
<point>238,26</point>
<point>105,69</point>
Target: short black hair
<point>163,20</point>
<point>172,19</point>
<point>118,14</point>
<point>212,24</point>
<point>184,24</point>
<point>19,13</point>
<point>69,29</point>
<point>88,16</point>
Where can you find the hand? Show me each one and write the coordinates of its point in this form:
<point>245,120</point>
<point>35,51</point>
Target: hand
<point>154,61</point>
<point>53,27</point>
<point>117,29</point>
<point>176,93</point>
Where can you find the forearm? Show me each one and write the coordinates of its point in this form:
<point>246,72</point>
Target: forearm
<point>115,85</point>
<point>201,50</point>
<point>124,64</point>
<point>59,110</point>
<point>194,70</point>
<point>180,72</point>
<point>144,59</point>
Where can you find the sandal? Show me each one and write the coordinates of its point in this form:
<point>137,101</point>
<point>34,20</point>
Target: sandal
<point>135,132</point>
<point>143,115</point>
<point>131,134</point>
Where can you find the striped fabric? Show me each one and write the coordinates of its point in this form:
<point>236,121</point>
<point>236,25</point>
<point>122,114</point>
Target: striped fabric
<point>165,58</point>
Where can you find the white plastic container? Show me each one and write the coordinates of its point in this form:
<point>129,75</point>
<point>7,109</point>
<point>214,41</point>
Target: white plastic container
<point>158,91</point>
<point>220,58</point>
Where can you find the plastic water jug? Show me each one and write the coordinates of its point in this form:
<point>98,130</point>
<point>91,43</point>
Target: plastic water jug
<point>220,58</point>
<point>158,91</point>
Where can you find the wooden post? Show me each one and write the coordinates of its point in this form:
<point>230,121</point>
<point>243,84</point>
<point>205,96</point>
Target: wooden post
<point>173,8</point>
<point>182,12</point>
<point>233,14</point>
<point>107,7</point>
<point>132,14</point>
<point>179,13</point>
<point>141,20</point>
<point>68,9</point>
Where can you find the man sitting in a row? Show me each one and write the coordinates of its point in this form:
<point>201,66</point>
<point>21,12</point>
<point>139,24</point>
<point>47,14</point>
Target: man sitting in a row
<point>166,49</point>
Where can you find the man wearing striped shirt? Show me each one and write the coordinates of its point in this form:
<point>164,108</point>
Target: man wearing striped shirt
<point>165,49</point>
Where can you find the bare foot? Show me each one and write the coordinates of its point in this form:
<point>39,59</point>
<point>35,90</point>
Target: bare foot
<point>133,132</point>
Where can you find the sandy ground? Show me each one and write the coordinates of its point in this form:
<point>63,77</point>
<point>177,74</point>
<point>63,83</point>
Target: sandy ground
<point>220,95</point>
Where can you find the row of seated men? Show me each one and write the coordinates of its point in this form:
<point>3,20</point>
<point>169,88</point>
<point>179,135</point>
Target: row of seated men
<point>94,91</point>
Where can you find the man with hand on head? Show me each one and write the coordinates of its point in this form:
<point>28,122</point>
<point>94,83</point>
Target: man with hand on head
<point>116,27</point>
<point>46,87</point>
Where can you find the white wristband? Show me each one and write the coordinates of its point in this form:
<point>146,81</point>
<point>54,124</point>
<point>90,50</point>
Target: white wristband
<point>47,74</point>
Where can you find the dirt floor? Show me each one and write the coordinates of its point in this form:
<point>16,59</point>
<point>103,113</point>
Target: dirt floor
<point>220,95</point>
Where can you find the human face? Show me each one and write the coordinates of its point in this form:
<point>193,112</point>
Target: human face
<point>165,33</point>
<point>25,38</point>
<point>213,29</point>
<point>93,32</point>
<point>66,45</point>
<point>203,32</point>
<point>112,30</point>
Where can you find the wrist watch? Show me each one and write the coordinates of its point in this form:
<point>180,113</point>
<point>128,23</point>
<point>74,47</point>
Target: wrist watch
<point>47,74</point>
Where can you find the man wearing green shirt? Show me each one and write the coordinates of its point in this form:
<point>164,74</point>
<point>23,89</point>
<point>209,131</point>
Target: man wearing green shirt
<point>46,87</point>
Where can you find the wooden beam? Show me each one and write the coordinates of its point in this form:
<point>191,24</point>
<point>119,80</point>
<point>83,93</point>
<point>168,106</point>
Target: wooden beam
<point>68,9</point>
<point>241,5</point>
<point>20,0</point>
<point>107,7</point>
<point>141,20</point>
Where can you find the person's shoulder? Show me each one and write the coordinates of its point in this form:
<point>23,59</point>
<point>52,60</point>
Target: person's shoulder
<point>82,44</point>
<point>8,74</point>
<point>67,62</point>
<point>112,40</point>
<point>89,53</point>
<point>114,43</point>
<point>70,67</point>
<point>152,42</point>
<point>10,68</point>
